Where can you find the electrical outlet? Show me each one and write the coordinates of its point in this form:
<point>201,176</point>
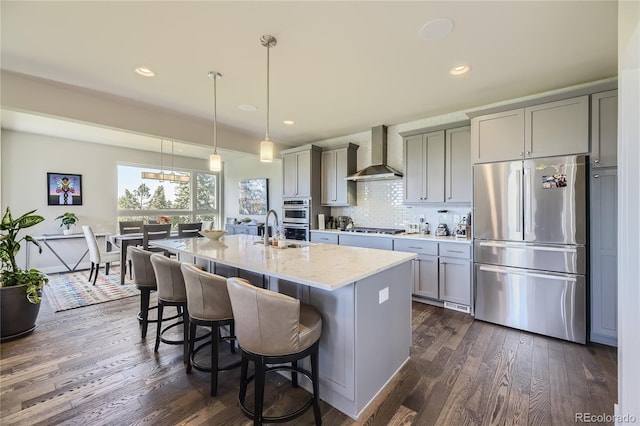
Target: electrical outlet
<point>383,295</point>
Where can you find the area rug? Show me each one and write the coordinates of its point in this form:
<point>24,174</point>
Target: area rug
<point>72,290</point>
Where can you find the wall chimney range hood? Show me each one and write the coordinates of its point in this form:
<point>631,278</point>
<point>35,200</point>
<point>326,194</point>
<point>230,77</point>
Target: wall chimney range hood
<point>378,170</point>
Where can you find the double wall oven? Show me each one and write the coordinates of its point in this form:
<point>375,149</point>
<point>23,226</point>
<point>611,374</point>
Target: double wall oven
<point>296,218</point>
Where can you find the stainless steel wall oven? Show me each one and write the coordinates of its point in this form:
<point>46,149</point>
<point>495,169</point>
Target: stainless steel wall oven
<point>296,218</point>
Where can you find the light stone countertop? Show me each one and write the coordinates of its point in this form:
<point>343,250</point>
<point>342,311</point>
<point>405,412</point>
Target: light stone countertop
<point>323,266</point>
<point>422,237</point>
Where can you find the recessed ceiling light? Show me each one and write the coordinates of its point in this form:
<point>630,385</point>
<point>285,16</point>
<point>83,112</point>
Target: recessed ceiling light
<point>459,69</point>
<point>247,107</point>
<point>146,72</point>
<point>436,29</point>
<point>289,122</point>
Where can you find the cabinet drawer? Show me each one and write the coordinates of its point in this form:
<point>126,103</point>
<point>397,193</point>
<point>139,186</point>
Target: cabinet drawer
<point>381,243</point>
<point>462,251</point>
<point>322,237</point>
<point>416,246</point>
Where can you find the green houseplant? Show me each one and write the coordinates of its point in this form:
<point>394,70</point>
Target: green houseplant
<point>67,220</point>
<point>20,289</point>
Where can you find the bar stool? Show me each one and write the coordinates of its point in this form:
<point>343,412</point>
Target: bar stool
<point>209,306</point>
<point>144,278</point>
<point>171,292</point>
<point>273,328</point>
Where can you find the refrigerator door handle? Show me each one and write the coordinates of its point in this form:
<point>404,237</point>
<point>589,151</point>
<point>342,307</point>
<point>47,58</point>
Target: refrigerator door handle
<point>529,274</point>
<point>519,214</point>
<point>527,201</point>
<point>571,249</point>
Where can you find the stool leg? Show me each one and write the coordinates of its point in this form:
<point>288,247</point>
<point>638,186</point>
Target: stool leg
<point>145,295</point>
<point>185,334</point>
<point>232,333</point>
<point>316,387</point>
<point>259,392</point>
<point>215,338</point>
<point>192,339</point>
<point>244,367</point>
<point>159,325</point>
<point>294,375</point>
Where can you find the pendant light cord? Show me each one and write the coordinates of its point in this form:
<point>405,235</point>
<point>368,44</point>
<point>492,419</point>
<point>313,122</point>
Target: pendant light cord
<point>267,135</point>
<point>215,120</point>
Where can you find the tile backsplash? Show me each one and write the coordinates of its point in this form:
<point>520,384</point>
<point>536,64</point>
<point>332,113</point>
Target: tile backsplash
<point>379,204</point>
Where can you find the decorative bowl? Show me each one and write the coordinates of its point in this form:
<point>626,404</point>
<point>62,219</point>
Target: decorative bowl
<point>213,234</point>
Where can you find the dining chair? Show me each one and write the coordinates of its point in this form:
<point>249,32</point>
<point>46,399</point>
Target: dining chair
<point>188,230</point>
<point>206,225</point>
<point>155,231</point>
<point>97,256</point>
<point>130,227</point>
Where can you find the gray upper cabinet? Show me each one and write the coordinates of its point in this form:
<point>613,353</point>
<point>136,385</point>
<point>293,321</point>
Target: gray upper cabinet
<point>557,128</point>
<point>424,168</point>
<point>498,137</point>
<point>336,165</point>
<point>458,180</point>
<point>549,129</point>
<point>298,169</point>
<point>604,129</point>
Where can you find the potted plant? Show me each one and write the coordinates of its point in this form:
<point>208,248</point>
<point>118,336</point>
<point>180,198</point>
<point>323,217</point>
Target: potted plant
<point>67,219</point>
<point>20,289</point>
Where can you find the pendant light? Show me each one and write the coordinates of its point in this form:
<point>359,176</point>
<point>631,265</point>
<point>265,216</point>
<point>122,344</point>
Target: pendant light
<point>215,160</point>
<point>153,175</point>
<point>162,176</point>
<point>266,146</point>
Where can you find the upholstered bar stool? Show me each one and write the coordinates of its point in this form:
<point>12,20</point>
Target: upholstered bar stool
<point>209,306</point>
<point>273,328</point>
<point>144,278</point>
<point>171,292</point>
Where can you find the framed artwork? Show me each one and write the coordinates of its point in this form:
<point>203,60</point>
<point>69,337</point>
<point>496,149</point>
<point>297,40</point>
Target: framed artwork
<point>254,196</point>
<point>64,189</point>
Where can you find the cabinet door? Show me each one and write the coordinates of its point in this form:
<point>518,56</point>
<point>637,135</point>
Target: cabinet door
<point>414,160</point>
<point>458,166</point>
<point>328,178</point>
<point>604,259</point>
<point>557,128</point>
<point>425,276</point>
<point>382,243</point>
<point>498,137</point>
<point>304,174</point>
<point>604,129</point>
<point>341,185</point>
<point>290,175</point>
<point>455,280</point>
<point>434,170</point>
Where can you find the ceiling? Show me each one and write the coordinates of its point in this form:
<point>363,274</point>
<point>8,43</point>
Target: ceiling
<point>338,67</point>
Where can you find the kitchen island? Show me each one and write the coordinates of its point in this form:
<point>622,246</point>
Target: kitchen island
<point>364,296</point>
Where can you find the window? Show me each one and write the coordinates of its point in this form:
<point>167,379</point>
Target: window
<point>148,199</point>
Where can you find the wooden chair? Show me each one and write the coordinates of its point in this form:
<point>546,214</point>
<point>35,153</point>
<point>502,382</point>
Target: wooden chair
<point>189,230</point>
<point>155,231</point>
<point>97,256</point>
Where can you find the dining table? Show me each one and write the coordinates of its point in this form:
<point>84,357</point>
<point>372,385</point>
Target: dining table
<point>124,241</point>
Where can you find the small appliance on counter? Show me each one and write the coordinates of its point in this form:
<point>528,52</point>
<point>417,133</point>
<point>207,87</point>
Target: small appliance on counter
<point>342,222</point>
<point>442,230</point>
<point>462,230</point>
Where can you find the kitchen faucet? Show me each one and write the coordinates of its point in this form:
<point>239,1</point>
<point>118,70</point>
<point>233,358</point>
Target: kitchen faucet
<point>266,226</point>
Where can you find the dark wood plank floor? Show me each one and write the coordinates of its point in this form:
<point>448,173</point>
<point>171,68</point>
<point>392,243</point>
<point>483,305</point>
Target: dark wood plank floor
<point>89,366</point>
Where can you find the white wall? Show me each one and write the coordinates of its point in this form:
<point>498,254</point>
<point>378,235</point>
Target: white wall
<point>26,159</point>
<point>628,210</point>
<point>249,168</point>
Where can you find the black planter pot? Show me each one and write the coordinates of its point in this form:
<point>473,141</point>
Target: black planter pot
<point>17,315</point>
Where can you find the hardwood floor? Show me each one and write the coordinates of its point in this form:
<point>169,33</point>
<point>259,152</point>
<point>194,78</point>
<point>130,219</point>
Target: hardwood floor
<point>89,366</point>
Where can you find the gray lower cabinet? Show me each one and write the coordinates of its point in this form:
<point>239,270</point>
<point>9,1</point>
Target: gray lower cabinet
<point>381,243</point>
<point>323,237</point>
<point>242,229</point>
<point>442,271</point>
<point>455,280</point>
<point>604,258</point>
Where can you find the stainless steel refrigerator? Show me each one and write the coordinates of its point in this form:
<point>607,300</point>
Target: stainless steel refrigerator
<point>530,252</point>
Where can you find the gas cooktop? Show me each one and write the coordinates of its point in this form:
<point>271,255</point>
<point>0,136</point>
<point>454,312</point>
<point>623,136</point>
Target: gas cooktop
<point>375,230</point>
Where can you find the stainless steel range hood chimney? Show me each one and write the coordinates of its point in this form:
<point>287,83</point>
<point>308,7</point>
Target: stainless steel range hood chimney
<point>378,170</point>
